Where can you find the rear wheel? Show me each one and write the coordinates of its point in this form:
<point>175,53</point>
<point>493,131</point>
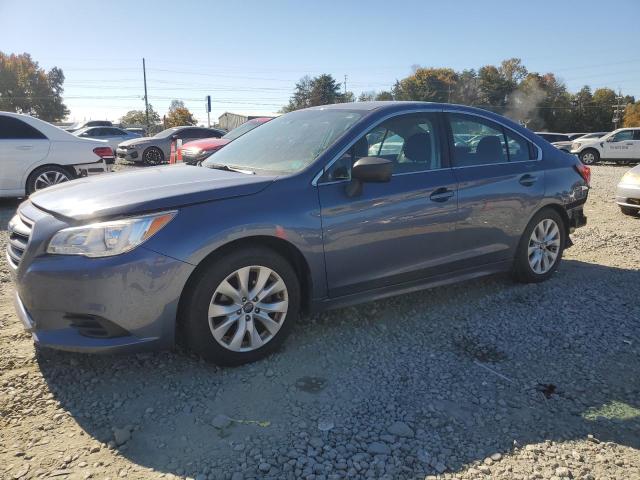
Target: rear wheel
<point>589,156</point>
<point>631,211</point>
<point>47,176</point>
<point>540,248</point>
<point>241,307</point>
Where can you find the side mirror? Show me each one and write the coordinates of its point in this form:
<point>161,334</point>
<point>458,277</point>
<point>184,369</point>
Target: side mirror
<point>368,170</point>
<point>611,139</point>
<point>174,137</point>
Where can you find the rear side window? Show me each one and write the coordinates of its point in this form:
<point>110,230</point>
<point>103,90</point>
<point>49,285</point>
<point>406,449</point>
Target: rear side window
<point>15,129</point>
<point>478,141</point>
<point>636,134</point>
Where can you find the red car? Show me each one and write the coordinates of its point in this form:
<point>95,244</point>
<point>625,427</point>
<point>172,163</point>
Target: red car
<point>198,150</point>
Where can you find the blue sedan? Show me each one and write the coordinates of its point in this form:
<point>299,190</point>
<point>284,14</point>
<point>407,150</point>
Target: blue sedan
<point>319,208</point>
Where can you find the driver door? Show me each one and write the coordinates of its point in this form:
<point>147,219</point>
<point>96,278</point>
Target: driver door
<point>395,232</point>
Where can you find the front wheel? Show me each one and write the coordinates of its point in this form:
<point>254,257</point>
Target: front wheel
<point>241,307</point>
<point>589,156</point>
<point>632,212</point>
<point>540,248</point>
<point>152,156</point>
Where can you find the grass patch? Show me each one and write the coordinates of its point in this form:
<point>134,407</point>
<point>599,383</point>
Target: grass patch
<point>612,411</point>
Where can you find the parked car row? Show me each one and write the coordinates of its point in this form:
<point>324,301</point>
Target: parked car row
<point>157,149</point>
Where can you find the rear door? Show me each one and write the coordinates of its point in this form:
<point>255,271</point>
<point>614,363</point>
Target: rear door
<point>395,232</point>
<point>21,147</point>
<point>500,184</point>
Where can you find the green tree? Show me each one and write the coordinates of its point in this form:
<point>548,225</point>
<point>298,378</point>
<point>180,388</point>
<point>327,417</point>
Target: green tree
<point>494,88</point>
<point>137,118</point>
<point>320,90</point>
<point>27,88</point>
<point>179,115</point>
<point>427,84</point>
<point>384,96</point>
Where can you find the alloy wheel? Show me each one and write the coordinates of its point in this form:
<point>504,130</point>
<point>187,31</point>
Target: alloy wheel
<point>47,179</point>
<point>544,246</point>
<point>153,156</point>
<point>589,158</point>
<point>248,308</point>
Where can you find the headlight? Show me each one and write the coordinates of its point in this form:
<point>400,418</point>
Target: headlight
<point>630,178</point>
<point>576,146</point>
<point>105,239</point>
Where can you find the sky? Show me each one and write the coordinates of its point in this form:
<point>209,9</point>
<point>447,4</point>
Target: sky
<point>248,55</point>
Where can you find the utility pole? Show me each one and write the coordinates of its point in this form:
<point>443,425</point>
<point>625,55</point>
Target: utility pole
<point>146,99</point>
<point>345,84</point>
<point>618,111</point>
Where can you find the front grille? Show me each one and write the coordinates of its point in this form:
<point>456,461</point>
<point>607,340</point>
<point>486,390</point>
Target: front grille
<point>19,234</point>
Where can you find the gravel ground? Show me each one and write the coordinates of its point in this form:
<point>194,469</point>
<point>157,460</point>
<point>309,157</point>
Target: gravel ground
<point>486,379</point>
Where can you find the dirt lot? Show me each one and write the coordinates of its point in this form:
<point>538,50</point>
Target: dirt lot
<point>486,379</point>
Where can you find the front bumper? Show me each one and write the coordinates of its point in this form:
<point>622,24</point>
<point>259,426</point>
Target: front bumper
<point>123,303</point>
<point>628,195</point>
<point>128,155</point>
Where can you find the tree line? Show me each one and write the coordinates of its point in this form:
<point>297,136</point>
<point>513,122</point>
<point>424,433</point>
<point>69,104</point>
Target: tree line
<point>538,101</point>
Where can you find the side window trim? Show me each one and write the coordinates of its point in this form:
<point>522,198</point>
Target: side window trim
<point>439,123</point>
<point>500,124</point>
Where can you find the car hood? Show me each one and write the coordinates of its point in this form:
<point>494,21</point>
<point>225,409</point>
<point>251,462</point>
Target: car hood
<point>137,141</point>
<point>145,190</point>
<point>207,143</point>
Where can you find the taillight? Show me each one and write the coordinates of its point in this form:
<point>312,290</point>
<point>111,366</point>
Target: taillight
<point>584,171</point>
<point>103,152</point>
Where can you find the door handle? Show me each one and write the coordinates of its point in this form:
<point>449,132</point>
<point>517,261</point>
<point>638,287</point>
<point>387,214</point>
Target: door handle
<point>24,147</point>
<point>441,194</point>
<point>527,180</point>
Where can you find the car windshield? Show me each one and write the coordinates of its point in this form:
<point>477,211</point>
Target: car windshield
<point>241,130</point>
<point>166,133</point>
<point>288,143</point>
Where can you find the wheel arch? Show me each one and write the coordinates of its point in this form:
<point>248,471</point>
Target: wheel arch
<point>67,168</point>
<point>560,210</point>
<point>282,247</point>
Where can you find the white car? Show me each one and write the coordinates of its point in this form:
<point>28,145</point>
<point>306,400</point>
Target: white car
<point>35,154</point>
<point>622,146</point>
<point>112,135</point>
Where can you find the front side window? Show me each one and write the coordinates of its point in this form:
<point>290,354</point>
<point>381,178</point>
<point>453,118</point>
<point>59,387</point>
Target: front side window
<point>623,135</point>
<point>15,129</point>
<point>410,142</point>
<point>288,143</point>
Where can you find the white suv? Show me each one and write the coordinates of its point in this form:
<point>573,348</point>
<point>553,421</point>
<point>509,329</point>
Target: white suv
<point>35,154</point>
<point>622,145</point>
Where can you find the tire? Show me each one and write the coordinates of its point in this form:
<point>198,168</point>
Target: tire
<point>589,156</point>
<point>47,176</point>
<point>204,301</point>
<point>632,212</point>
<point>549,255</point>
<point>152,156</point>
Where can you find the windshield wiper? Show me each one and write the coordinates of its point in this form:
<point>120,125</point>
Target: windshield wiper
<point>220,166</point>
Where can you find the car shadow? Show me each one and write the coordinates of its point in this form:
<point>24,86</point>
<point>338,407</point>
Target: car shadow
<point>475,368</point>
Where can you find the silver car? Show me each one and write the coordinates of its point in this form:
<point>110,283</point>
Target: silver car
<point>157,149</point>
<point>628,192</point>
<point>113,135</point>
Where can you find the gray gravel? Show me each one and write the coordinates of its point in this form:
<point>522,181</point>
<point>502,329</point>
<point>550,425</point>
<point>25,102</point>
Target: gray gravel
<point>487,379</point>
